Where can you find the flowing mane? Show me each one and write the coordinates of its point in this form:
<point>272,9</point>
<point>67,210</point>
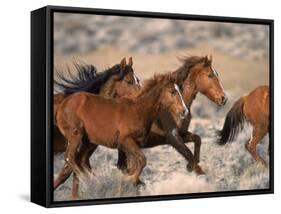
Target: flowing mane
<point>187,64</point>
<point>87,78</point>
<point>156,80</point>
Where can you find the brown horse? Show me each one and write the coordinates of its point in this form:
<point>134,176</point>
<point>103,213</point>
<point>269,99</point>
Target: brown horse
<point>127,122</point>
<point>195,75</point>
<point>253,108</point>
<point>117,81</point>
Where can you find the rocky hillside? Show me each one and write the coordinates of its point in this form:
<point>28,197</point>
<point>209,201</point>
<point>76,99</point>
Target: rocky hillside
<point>77,33</point>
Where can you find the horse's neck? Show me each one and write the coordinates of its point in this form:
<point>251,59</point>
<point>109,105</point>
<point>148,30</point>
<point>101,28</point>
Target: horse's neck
<point>149,103</point>
<point>107,89</point>
<point>189,93</point>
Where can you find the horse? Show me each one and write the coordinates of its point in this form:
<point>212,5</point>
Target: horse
<point>120,123</point>
<point>116,81</point>
<point>254,109</point>
<point>195,75</point>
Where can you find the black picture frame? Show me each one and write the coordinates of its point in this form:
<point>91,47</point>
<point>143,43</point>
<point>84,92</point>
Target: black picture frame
<point>42,98</point>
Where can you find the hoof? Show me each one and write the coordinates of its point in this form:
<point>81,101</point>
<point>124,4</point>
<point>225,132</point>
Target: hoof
<point>75,197</point>
<point>89,174</point>
<point>264,164</point>
<point>189,167</point>
<point>125,171</point>
<point>136,182</point>
<point>121,167</point>
<point>139,183</point>
<point>198,170</point>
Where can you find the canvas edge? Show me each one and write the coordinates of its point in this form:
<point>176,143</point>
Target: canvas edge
<point>38,154</point>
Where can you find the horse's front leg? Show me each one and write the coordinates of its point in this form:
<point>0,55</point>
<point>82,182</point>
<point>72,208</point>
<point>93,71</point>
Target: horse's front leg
<point>175,140</point>
<point>184,126</point>
<point>190,137</point>
<point>196,139</point>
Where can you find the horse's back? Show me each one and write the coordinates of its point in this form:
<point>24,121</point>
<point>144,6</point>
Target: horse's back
<point>259,98</point>
<point>256,107</point>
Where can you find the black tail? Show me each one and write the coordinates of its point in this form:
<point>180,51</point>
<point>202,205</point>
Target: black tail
<point>233,124</point>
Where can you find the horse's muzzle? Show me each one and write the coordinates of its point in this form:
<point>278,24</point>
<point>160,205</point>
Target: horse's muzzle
<point>223,100</point>
<point>183,114</point>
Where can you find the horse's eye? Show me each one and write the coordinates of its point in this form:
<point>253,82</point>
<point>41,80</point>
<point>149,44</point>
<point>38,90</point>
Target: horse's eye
<point>130,82</point>
<point>174,93</point>
<point>211,75</point>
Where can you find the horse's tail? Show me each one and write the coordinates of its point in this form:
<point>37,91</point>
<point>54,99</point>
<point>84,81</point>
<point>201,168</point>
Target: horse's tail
<point>233,124</point>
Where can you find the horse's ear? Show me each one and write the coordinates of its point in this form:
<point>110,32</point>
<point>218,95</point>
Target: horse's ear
<point>207,60</point>
<point>210,59</point>
<point>181,77</point>
<point>123,64</point>
<point>130,63</point>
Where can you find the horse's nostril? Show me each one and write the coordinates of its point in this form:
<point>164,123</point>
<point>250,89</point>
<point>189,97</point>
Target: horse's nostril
<point>183,113</point>
<point>223,99</point>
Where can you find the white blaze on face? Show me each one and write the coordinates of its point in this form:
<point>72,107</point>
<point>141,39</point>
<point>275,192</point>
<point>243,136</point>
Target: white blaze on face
<point>183,104</point>
<point>215,72</point>
<point>217,75</point>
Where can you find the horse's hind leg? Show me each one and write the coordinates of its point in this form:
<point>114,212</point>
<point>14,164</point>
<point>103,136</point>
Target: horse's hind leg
<point>75,187</point>
<point>59,141</point>
<point>63,176</point>
<point>71,152</point>
<point>136,160</point>
<point>84,154</point>
<point>70,159</point>
<point>268,148</point>
<point>257,135</point>
<point>64,173</point>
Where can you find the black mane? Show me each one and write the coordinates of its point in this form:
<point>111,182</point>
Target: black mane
<point>87,78</point>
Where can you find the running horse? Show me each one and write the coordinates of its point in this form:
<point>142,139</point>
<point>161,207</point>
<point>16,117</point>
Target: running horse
<point>253,108</point>
<point>120,123</point>
<point>116,81</point>
<point>195,75</point>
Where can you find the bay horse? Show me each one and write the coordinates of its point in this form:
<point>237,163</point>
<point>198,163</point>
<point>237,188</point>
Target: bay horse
<point>252,108</point>
<point>120,123</point>
<point>116,81</point>
<point>196,75</point>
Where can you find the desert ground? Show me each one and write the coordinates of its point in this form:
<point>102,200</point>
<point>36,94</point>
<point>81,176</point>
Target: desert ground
<point>228,167</point>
